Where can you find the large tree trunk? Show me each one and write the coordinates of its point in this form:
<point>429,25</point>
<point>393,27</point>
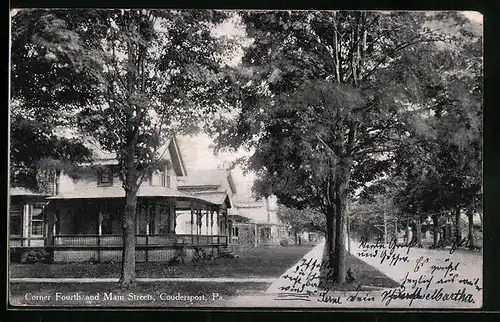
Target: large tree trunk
<point>472,241</point>
<point>127,276</point>
<point>342,186</point>
<point>435,233</point>
<point>458,231</point>
<point>130,174</point>
<point>128,255</point>
<point>330,235</point>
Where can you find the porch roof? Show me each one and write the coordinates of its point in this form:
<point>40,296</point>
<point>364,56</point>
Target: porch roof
<point>217,198</point>
<point>267,223</point>
<point>118,192</point>
<point>21,191</point>
<point>240,219</point>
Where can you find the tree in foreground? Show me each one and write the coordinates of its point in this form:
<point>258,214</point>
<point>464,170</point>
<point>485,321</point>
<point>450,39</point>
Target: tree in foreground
<point>327,97</point>
<point>149,75</point>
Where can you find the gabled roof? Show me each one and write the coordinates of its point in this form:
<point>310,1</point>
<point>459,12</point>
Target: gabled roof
<point>203,178</point>
<point>207,179</point>
<point>177,161</point>
<point>110,158</point>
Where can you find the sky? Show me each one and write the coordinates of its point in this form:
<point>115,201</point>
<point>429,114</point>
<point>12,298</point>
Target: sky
<point>475,16</point>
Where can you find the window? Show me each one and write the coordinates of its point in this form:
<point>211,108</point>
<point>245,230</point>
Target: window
<point>16,220</point>
<point>104,177</point>
<point>37,220</point>
<point>168,180</point>
<point>163,179</point>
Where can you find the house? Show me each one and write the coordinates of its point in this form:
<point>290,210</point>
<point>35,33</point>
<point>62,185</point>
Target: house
<point>216,186</point>
<point>79,219</point>
<point>257,224</point>
<point>251,223</point>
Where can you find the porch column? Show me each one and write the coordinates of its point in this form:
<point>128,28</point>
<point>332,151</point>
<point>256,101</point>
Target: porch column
<point>50,225</point>
<point>99,232</point>
<point>146,218</point>
<point>199,222</point>
<point>157,220</point>
<point>206,219</point>
<point>255,235</point>
<point>174,217</point>
<point>99,222</point>
<point>218,221</point>
<point>26,225</point>
<point>192,219</point>
<point>225,222</point>
<point>211,222</point>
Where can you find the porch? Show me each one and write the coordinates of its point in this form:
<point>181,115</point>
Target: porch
<point>88,227</point>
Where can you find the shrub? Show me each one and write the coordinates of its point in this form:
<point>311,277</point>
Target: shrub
<point>180,254</point>
<point>37,256</point>
<point>284,242</point>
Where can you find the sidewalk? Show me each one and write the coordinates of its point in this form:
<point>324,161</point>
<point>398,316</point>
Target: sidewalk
<point>315,255</point>
<point>432,265</point>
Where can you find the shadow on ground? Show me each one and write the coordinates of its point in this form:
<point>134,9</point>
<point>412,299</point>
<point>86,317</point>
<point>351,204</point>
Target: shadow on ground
<point>256,262</point>
<point>361,276</point>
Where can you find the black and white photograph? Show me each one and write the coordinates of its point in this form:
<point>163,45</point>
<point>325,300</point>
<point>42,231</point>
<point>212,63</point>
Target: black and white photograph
<point>210,158</point>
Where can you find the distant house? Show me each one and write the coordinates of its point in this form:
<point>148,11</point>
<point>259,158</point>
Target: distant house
<point>310,238</point>
<point>80,218</point>
<point>216,186</point>
<point>251,223</point>
<point>257,224</point>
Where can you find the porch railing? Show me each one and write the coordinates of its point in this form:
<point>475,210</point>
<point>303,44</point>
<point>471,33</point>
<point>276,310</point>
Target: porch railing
<point>140,240</point>
<point>16,241</point>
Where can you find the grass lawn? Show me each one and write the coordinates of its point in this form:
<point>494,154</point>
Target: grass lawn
<point>366,277</point>
<point>255,262</point>
<point>142,294</point>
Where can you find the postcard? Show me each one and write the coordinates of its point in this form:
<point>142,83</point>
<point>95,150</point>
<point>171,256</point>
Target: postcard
<point>168,158</point>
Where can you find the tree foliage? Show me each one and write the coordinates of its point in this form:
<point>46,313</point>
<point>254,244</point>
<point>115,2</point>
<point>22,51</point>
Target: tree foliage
<point>327,98</point>
<point>143,77</point>
<point>305,220</point>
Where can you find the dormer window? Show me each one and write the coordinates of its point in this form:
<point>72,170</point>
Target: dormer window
<point>162,179</point>
<point>104,177</point>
